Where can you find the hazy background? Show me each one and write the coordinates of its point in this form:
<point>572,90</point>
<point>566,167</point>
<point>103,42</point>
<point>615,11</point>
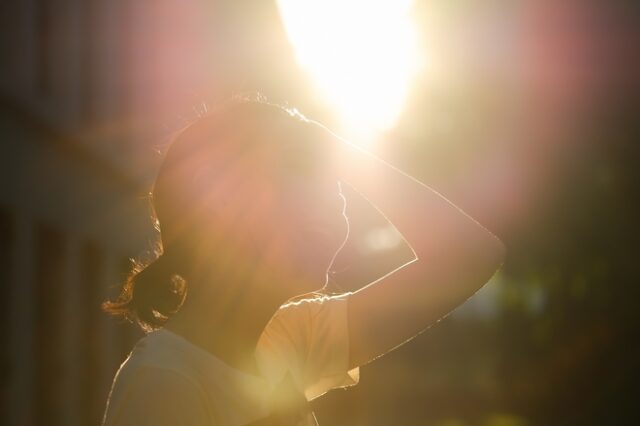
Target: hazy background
<point>524,113</point>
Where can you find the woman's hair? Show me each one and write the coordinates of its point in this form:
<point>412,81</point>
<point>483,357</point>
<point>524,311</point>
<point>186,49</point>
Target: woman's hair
<point>152,291</point>
<point>156,285</point>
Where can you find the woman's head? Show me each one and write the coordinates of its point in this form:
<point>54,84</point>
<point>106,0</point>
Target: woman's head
<point>245,201</point>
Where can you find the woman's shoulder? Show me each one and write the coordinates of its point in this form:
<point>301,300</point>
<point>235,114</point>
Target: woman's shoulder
<point>155,357</point>
<point>157,384</point>
<point>159,350</point>
<point>300,316</point>
<point>312,305</point>
<point>151,394</point>
<point>308,337</point>
<point>315,298</point>
<point>157,379</point>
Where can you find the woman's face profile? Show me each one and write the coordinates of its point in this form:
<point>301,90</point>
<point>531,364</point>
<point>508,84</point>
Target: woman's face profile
<point>315,225</point>
<point>297,232</point>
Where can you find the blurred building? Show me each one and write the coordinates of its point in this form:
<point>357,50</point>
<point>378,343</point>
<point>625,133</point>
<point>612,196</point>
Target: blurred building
<point>89,93</point>
<point>71,212</point>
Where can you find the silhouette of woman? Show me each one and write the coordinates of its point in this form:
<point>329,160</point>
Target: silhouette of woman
<point>251,214</point>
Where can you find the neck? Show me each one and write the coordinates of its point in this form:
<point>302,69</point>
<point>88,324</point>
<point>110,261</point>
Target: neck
<point>226,325</point>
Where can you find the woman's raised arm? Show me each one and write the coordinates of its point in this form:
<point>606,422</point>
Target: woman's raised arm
<point>455,256</point>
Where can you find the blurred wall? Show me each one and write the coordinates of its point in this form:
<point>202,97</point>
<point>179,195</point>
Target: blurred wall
<point>70,216</point>
<point>90,93</point>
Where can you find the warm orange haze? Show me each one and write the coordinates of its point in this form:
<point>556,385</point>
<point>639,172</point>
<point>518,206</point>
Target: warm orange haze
<point>318,213</point>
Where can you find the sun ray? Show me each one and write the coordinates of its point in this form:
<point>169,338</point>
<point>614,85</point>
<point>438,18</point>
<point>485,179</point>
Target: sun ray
<point>360,55</point>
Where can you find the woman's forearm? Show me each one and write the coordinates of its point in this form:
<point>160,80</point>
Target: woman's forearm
<point>455,256</point>
<point>429,222</point>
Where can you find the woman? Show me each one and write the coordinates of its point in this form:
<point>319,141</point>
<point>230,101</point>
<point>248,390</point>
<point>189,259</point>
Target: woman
<point>251,215</point>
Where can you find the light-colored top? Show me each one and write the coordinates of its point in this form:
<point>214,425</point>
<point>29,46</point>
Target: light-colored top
<point>307,339</point>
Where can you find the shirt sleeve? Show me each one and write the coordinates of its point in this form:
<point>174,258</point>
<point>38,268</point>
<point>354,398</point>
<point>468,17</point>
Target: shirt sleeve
<point>309,339</point>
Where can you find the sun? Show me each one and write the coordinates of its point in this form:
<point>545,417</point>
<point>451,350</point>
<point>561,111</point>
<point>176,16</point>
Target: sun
<point>361,56</point>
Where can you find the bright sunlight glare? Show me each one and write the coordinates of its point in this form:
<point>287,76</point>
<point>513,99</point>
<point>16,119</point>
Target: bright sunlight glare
<point>360,54</point>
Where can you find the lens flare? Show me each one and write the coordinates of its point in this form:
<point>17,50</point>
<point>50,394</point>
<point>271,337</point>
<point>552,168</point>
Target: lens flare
<point>361,56</point>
